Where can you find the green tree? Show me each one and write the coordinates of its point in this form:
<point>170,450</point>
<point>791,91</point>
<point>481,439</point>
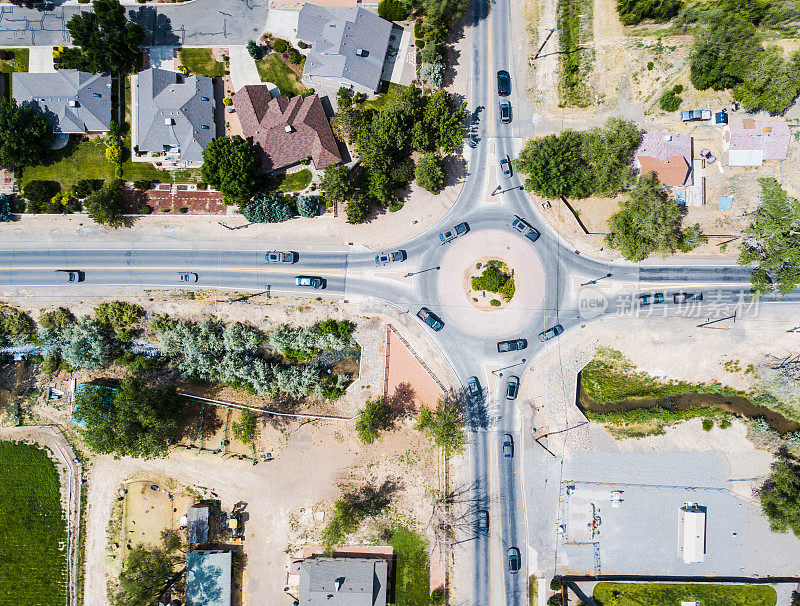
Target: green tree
<point>444,426</point>
<point>374,418</point>
<point>119,314</point>
<point>143,577</point>
<point>246,428</point>
<point>25,136</point>
<point>393,10</point>
<point>552,165</point>
<point>253,49</point>
<point>104,39</point>
<point>85,344</point>
<point>107,205</point>
<point>39,194</point>
<point>357,209</point>
<point>607,153</point>
<point>56,319</point>
<point>5,208</point>
<point>647,222</point>
<point>138,421</point>
<point>771,83</point>
<point>780,498</point>
<point>725,46</point>
<point>349,511</point>
<point>429,173</point>
<point>632,12</point>
<point>669,100</point>
<point>771,241</point>
<point>230,164</point>
<point>16,326</point>
<point>347,123</point>
<point>268,209</point>
<point>336,182</point>
<point>308,206</point>
<point>445,120</point>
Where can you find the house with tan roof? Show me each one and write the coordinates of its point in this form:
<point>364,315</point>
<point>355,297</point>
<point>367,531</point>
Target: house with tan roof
<point>286,130</point>
<point>751,143</point>
<point>669,157</point>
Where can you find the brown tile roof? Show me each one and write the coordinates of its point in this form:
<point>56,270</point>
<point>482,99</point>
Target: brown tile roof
<point>265,118</point>
<point>668,156</point>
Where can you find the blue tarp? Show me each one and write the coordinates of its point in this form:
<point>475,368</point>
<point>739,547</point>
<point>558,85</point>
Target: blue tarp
<point>725,202</point>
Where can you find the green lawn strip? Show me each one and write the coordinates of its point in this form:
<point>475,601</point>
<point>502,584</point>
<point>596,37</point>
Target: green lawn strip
<point>533,591</point>
<point>658,594</point>
<point>572,73</point>
<point>412,567</point>
<point>201,61</point>
<point>272,69</point>
<point>33,534</point>
<point>383,100</point>
<point>289,182</point>
<point>19,63</point>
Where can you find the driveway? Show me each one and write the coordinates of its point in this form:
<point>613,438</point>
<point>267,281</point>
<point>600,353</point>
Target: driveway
<point>41,60</point>
<point>242,67</point>
<point>283,24</point>
<point>196,23</point>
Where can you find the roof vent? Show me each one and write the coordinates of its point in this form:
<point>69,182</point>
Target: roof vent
<point>288,128</point>
<point>338,583</point>
<point>667,137</point>
<point>168,121</point>
<point>361,52</point>
<point>73,103</point>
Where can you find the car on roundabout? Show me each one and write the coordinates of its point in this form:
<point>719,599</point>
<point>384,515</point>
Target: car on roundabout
<point>310,281</point>
<point>281,256</point>
<point>551,333</point>
<point>512,345</point>
<point>524,228</point>
<point>384,258</point>
<point>512,387</point>
<point>427,316</point>
<point>72,275</point>
<point>187,276</point>
<point>505,166</point>
<point>452,234</point>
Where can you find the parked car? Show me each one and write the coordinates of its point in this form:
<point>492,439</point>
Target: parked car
<point>513,345</point>
<point>452,234</point>
<point>508,446</point>
<point>695,115</point>
<point>654,298</point>
<point>312,281</point>
<point>72,275</point>
<point>503,83</point>
<point>512,387</point>
<point>427,316</point>
<point>280,256</point>
<point>482,520</point>
<point>514,560</point>
<point>474,387</point>
<point>505,166</point>
<point>526,230</point>
<point>551,333</point>
<point>392,257</point>
<point>687,297</point>
<point>505,112</point>
<point>710,158</point>
<point>187,276</point>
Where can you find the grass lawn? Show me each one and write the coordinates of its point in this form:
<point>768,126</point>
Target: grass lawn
<point>290,182</point>
<point>33,534</point>
<point>18,64</point>
<point>533,591</point>
<point>200,61</point>
<point>412,567</point>
<point>382,100</point>
<point>671,594</point>
<point>272,69</point>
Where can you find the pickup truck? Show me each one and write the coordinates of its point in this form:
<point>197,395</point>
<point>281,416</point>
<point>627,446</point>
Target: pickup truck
<point>687,297</point>
<point>516,344</point>
<point>695,115</point>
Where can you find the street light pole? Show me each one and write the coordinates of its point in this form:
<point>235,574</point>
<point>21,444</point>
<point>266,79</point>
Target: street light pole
<point>414,273</point>
<point>596,280</point>
<point>498,372</point>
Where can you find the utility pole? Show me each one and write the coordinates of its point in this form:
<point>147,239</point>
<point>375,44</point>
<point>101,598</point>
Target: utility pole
<point>538,52</point>
<point>709,321</point>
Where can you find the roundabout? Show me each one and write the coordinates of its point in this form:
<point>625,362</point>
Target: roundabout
<point>482,318</point>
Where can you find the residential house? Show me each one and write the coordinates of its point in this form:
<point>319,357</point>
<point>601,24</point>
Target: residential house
<point>208,578</point>
<point>751,143</point>
<point>343,582</point>
<point>348,46</point>
<point>72,102</point>
<point>197,524</point>
<point>669,157</point>
<point>175,115</point>
<point>286,130</point>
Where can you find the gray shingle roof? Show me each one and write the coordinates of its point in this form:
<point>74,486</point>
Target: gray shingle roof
<point>348,42</point>
<point>208,578</point>
<point>175,113</point>
<point>72,101</point>
<point>197,524</point>
<point>343,582</point>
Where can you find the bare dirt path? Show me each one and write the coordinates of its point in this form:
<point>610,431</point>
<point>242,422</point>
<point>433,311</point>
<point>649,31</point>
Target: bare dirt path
<point>69,470</point>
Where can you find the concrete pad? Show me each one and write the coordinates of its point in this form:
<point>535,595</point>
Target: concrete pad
<point>283,23</point>
<point>462,255</point>
<point>242,67</point>
<point>40,60</point>
<point>162,57</point>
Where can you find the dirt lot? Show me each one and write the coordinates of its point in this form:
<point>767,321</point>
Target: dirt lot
<point>148,511</point>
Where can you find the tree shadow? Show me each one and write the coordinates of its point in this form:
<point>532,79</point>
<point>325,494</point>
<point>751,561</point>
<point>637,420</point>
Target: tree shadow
<point>157,27</point>
<point>401,402</point>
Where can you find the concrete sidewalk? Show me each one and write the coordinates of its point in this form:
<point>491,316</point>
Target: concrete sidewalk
<point>242,67</point>
<point>40,60</point>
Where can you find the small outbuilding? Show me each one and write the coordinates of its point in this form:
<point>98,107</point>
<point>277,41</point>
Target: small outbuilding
<point>208,578</point>
<point>751,143</point>
<point>692,533</point>
<point>197,525</point>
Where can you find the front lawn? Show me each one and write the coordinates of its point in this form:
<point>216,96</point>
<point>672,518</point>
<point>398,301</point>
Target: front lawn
<point>201,61</point>
<point>18,64</point>
<point>33,534</point>
<point>383,100</point>
<point>672,594</point>
<point>412,567</point>
<point>272,69</point>
<point>289,182</point>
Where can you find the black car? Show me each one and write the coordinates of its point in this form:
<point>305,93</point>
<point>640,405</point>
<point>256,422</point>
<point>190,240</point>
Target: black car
<point>482,520</point>
<point>505,112</point>
<point>503,83</point>
<point>312,281</point>
<point>508,446</point>
<point>461,229</point>
<point>687,297</point>
<point>513,345</point>
<point>512,387</point>
<point>427,316</point>
<point>655,298</point>
<point>514,559</point>
<point>551,333</point>
<point>474,387</point>
<point>73,275</point>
